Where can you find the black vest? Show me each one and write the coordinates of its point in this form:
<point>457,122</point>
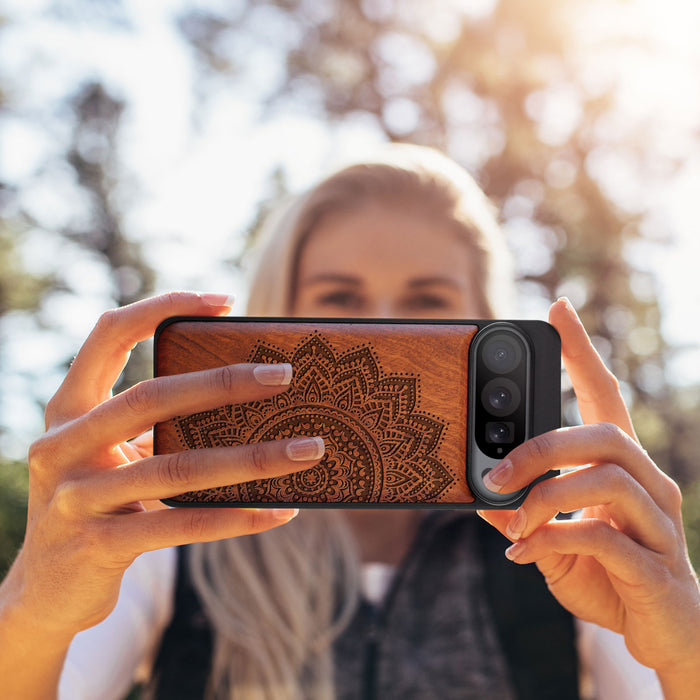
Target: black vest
<point>414,645</point>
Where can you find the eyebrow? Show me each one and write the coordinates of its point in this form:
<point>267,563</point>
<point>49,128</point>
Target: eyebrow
<point>350,280</point>
<point>333,277</point>
<point>432,281</point>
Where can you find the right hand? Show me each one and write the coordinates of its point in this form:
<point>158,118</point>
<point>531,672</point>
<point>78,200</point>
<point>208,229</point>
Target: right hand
<point>88,514</point>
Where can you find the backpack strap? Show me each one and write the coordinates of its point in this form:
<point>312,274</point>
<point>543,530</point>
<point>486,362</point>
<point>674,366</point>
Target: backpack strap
<point>183,664</point>
<point>536,633</point>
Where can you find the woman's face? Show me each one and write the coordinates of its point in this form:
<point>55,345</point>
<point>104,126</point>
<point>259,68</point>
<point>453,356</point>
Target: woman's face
<point>385,261</point>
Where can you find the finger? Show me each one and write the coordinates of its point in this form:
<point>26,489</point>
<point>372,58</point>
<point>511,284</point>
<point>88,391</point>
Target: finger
<point>138,448</point>
<point>165,476</point>
<point>143,444</point>
<point>154,400</point>
<point>596,388</point>
<point>103,355</point>
<point>156,529</point>
<point>497,518</point>
<point>614,550</point>
<point>607,486</point>
<point>131,452</point>
<point>583,444</point>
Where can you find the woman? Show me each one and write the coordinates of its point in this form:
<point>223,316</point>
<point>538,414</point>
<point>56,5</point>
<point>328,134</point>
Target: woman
<point>276,602</point>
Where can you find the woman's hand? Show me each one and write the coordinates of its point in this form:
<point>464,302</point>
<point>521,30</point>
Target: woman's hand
<point>624,564</point>
<point>88,514</point>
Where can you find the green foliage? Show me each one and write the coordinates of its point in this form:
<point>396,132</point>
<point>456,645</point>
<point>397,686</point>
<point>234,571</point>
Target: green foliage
<point>18,289</point>
<point>691,521</point>
<point>14,484</point>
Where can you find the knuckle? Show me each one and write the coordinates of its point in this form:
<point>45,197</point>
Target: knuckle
<point>610,432</point>
<point>258,520</point>
<point>673,537</point>
<point>542,494</point>
<point>661,571</point>
<point>617,478</point>
<point>141,397</point>
<point>53,410</point>
<point>258,459</point>
<point>174,299</point>
<point>175,470</point>
<point>43,454</point>
<point>225,379</point>
<point>38,454</point>
<point>196,525</point>
<point>599,533</point>
<point>107,322</point>
<point>539,448</point>
<point>67,498</point>
<point>674,494</point>
<point>110,327</point>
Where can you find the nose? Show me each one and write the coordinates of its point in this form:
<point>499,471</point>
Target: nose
<point>383,308</point>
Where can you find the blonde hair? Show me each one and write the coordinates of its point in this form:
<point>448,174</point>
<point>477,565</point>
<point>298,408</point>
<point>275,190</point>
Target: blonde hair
<point>416,176</point>
<point>277,600</point>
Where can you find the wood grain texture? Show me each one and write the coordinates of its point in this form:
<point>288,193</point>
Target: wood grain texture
<point>389,400</point>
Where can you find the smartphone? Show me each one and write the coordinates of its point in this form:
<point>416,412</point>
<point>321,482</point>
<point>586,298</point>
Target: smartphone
<point>413,413</point>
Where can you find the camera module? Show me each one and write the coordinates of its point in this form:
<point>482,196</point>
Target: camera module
<point>514,368</point>
<point>501,389</point>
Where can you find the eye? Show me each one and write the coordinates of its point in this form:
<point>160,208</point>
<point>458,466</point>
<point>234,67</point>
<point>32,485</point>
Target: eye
<point>341,299</point>
<point>426,302</point>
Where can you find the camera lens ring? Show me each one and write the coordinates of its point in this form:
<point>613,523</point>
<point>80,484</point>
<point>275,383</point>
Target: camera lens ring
<point>499,432</point>
<point>502,352</point>
<point>501,397</point>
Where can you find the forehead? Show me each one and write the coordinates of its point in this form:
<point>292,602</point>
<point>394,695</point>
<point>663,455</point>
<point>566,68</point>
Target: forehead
<point>390,238</point>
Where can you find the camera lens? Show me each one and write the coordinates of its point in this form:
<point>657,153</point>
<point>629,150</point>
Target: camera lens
<point>502,353</point>
<point>501,396</point>
<point>499,432</point>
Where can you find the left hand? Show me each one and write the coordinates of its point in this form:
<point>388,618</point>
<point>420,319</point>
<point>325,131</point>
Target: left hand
<point>624,564</point>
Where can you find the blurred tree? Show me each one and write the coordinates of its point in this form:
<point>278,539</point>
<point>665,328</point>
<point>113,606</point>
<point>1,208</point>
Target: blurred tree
<point>18,291</point>
<point>94,156</point>
<point>94,234</point>
<point>501,87</point>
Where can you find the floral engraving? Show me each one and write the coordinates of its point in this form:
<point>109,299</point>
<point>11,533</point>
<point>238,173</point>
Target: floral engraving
<point>379,446</point>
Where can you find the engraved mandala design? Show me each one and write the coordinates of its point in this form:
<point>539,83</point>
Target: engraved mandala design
<point>379,446</point>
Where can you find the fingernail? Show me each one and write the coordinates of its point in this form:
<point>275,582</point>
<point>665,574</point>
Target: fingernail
<point>218,299</point>
<point>273,375</point>
<point>285,514</point>
<point>303,449</point>
<point>515,550</point>
<point>569,306</point>
<point>498,477</point>
<point>516,525</point>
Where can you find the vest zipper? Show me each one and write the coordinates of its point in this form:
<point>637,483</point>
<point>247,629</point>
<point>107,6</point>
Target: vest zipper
<point>378,614</point>
<point>369,671</point>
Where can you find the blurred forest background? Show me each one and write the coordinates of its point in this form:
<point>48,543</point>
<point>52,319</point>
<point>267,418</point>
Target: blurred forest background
<point>580,119</point>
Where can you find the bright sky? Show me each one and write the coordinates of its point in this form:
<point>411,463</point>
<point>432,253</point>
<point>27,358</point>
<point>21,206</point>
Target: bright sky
<point>204,184</point>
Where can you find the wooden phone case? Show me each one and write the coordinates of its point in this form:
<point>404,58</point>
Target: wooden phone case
<point>389,399</point>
